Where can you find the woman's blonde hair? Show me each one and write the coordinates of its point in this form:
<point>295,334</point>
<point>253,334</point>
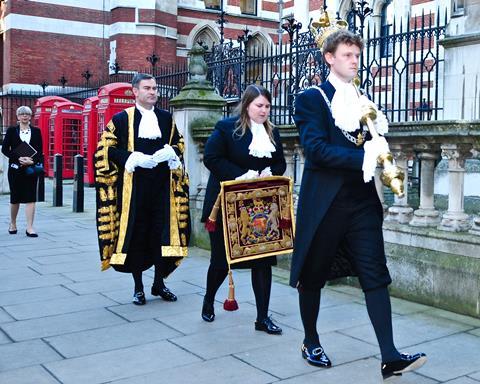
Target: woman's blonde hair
<point>243,122</point>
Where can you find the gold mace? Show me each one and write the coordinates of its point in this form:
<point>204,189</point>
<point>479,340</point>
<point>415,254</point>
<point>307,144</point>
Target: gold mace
<point>392,175</point>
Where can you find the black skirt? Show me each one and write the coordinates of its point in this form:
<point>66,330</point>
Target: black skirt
<point>23,187</point>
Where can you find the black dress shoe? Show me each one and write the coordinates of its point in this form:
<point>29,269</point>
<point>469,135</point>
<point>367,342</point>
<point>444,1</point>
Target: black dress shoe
<point>267,325</point>
<point>31,234</point>
<point>139,298</point>
<point>208,313</point>
<point>164,293</point>
<point>316,356</point>
<point>12,231</point>
<point>406,363</point>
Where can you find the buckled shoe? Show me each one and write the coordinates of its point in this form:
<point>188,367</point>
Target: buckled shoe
<point>164,293</point>
<point>267,325</point>
<point>406,363</point>
<point>316,356</point>
<point>139,298</point>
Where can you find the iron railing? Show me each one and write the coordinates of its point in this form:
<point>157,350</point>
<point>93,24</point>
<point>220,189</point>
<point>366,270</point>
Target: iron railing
<point>402,72</point>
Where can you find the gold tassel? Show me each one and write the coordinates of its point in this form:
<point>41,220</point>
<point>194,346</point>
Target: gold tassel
<point>230,304</point>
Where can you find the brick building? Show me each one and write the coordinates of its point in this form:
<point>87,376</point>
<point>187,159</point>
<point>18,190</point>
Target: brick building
<point>43,40</point>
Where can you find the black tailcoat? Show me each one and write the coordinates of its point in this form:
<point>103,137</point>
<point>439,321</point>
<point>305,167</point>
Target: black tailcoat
<point>331,163</point>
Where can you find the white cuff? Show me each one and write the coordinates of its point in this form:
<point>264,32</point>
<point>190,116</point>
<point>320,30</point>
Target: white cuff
<point>132,161</point>
<point>373,148</point>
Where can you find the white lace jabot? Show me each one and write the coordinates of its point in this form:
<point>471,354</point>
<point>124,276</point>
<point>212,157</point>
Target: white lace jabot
<point>345,104</point>
<point>148,128</point>
<point>261,146</point>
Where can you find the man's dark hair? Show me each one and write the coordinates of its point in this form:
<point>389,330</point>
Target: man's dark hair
<point>341,36</point>
<point>139,77</point>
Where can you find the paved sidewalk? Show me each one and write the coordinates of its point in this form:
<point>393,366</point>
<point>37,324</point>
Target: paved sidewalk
<point>64,321</point>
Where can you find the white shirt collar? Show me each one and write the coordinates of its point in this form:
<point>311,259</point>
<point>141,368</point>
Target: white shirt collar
<point>261,145</point>
<point>345,104</point>
<point>148,127</point>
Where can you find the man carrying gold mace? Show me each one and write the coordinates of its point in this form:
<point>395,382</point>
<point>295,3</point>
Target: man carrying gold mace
<point>338,208</point>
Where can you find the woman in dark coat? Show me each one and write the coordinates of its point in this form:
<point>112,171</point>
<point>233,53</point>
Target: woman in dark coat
<point>240,148</point>
<point>23,187</point>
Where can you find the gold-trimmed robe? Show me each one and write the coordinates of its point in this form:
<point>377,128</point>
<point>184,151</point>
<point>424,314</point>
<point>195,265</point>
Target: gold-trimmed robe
<point>115,189</point>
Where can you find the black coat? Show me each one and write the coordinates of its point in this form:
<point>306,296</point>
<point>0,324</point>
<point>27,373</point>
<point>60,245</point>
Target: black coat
<point>12,141</point>
<point>330,161</point>
<point>23,188</point>
<point>226,157</point>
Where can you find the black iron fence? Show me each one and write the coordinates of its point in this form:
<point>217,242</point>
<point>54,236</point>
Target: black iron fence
<point>401,69</point>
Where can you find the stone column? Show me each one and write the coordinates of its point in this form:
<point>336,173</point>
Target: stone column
<point>476,219</point>
<point>400,211</point>
<point>197,108</point>
<point>455,219</point>
<point>426,215</point>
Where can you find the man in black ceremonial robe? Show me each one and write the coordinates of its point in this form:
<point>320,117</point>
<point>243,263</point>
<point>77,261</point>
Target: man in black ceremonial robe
<point>142,192</point>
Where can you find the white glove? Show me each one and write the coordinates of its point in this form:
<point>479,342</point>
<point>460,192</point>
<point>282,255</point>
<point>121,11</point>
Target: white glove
<point>248,175</point>
<point>373,148</point>
<point>164,154</point>
<point>266,172</point>
<point>174,163</point>
<point>139,159</point>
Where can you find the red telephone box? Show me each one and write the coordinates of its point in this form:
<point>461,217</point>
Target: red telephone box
<point>90,137</point>
<point>113,98</point>
<point>43,109</point>
<point>65,135</point>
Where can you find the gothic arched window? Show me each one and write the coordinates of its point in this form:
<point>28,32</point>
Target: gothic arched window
<point>386,29</point>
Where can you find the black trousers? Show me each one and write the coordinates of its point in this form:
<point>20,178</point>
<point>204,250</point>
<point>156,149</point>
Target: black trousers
<point>354,223</point>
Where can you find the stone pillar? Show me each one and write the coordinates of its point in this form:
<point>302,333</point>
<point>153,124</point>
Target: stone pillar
<point>197,108</point>
<point>475,226</point>
<point>476,219</point>
<point>455,219</point>
<point>426,215</point>
<point>400,211</point>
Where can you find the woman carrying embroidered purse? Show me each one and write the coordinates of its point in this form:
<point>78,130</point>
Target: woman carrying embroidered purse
<point>243,147</point>
<point>23,186</point>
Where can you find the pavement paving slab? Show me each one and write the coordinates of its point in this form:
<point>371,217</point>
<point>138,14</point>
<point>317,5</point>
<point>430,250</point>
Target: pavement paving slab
<point>25,354</point>
<point>34,374</point>
<point>122,363</point>
<point>222,370</point>
<point>64,321</point>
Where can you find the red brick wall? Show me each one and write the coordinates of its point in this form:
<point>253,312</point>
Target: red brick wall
<point>48,56</point>
<point>54,11</point>
<point>315,5</point>
<point>144,46</point>
<point>120,14</point>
